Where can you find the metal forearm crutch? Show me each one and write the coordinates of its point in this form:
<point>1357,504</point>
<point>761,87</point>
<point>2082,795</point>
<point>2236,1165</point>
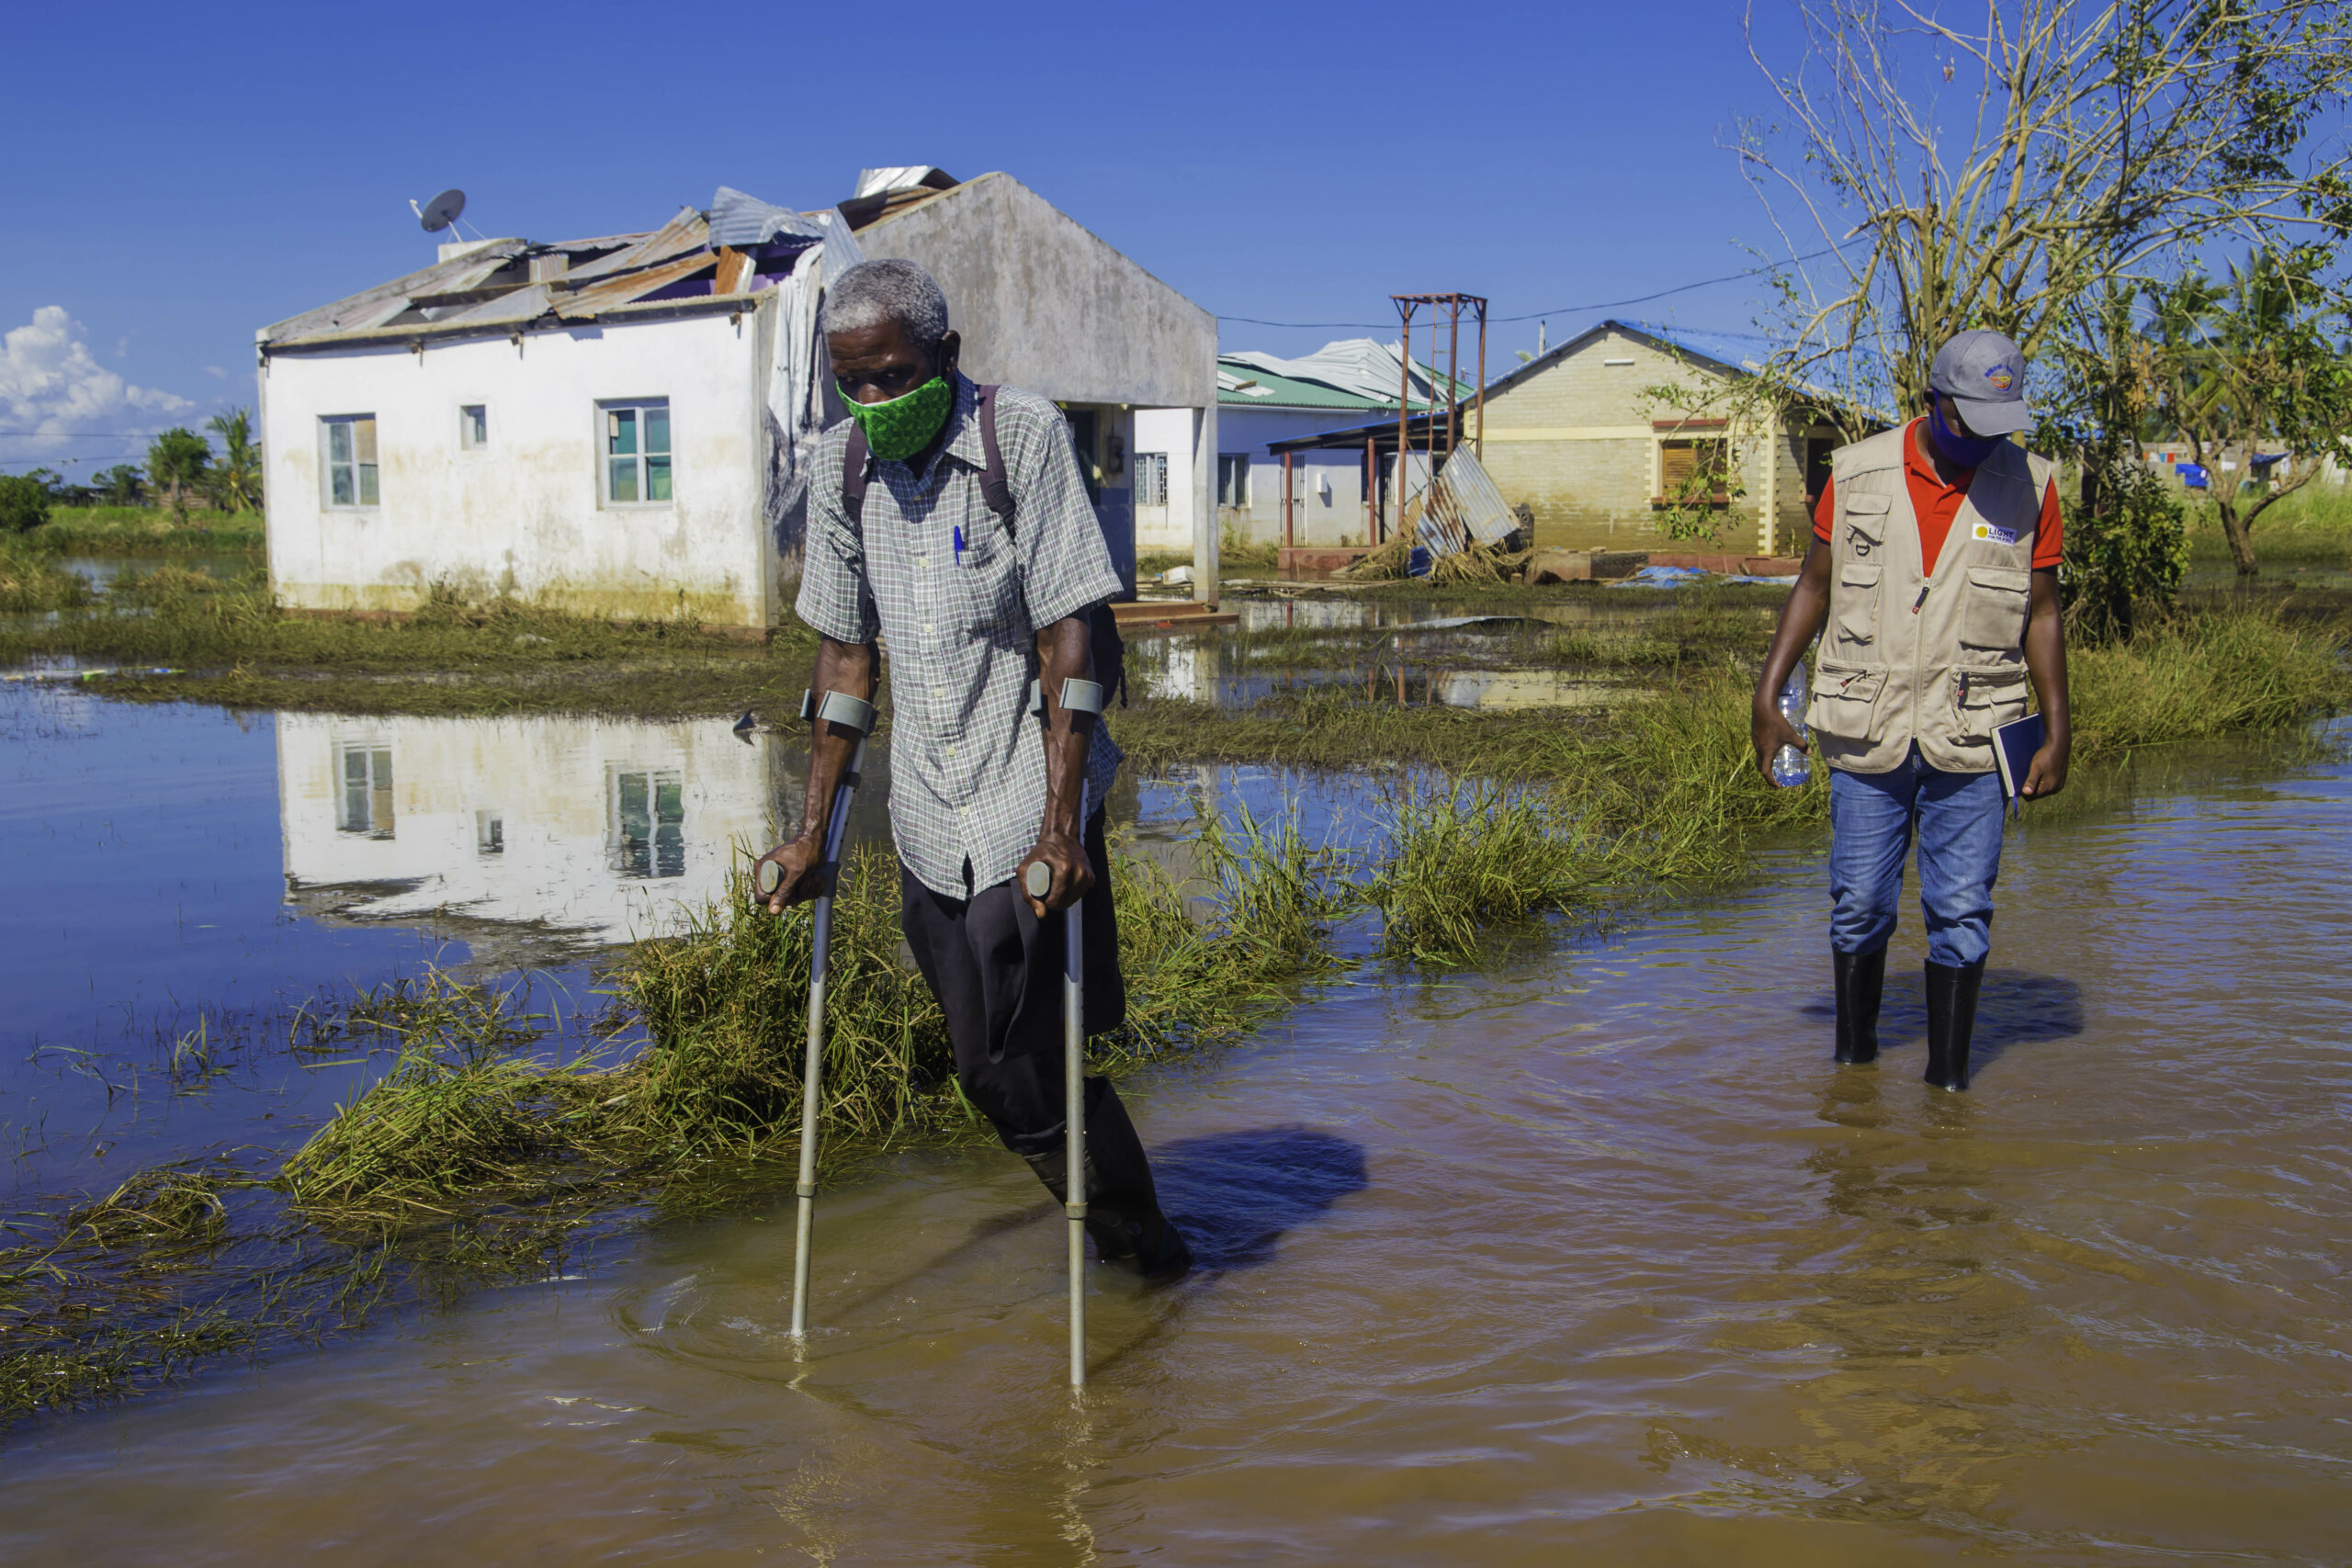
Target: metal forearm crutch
<point>1077,697</point>
<point>845,712</point>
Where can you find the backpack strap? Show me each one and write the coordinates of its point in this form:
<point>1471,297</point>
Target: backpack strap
<point>857,468</point>
<point>996,485</point>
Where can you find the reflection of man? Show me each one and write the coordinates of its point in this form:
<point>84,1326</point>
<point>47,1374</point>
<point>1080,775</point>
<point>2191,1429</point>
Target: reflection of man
<point>1935,564</point>
<point>973,604</point>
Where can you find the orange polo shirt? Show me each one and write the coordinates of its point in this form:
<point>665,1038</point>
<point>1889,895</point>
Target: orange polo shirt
<point>1936,503</point>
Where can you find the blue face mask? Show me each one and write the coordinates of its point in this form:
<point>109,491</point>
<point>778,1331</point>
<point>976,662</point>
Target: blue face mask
<point>1968,451</point>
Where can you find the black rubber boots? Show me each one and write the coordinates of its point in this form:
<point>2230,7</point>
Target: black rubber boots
<point>1951,1021</point>
<point>1122,1206</point>
<point>1861,979</point>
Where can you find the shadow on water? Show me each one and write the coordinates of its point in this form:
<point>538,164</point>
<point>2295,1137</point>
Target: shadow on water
<point>2017,1007</point>
<point>1234,1194</point>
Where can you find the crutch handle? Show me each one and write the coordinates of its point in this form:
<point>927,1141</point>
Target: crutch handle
<point>1038,879</point>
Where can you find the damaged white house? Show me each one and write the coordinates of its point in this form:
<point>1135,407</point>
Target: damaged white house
<point>620,427</point>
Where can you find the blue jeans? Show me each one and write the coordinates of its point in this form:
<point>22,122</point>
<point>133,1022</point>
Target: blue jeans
<point>1958,818</point>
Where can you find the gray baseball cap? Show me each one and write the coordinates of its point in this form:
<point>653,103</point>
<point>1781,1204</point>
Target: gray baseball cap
<point>1985,372</point>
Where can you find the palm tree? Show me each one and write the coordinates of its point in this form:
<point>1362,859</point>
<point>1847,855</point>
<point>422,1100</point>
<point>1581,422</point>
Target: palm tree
<point>237,476</point>
<point>176,463</point>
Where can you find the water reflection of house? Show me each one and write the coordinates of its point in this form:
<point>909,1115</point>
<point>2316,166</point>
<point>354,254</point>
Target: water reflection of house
<point>591,829</point>
<point>619,424</point>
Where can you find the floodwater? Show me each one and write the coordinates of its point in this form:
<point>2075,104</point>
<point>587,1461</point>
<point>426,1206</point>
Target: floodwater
<point>1587,1255</point>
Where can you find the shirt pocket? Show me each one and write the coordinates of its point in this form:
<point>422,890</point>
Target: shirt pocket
<point>1994,615</point>
<point>987,573</point>
<point>1865,518</point>
<point>1857,602</point>
<point>1844,701</point>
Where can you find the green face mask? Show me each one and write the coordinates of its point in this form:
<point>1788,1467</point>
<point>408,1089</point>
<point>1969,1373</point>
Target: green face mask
<point>904,426</point>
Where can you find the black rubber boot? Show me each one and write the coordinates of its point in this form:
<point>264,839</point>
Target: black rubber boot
<point>1859,980</point>
<point>1123,1214</point>
<point>1951,1021</point>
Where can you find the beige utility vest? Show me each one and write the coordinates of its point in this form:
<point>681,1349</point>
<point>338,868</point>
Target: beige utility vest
<point>1908,659</point>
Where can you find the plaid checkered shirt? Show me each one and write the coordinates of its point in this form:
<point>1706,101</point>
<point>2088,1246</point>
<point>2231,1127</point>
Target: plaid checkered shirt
<point>960,623</point>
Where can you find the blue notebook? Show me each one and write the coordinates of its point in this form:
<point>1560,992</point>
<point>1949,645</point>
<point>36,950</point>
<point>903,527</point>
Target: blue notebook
<point>2014,745</point>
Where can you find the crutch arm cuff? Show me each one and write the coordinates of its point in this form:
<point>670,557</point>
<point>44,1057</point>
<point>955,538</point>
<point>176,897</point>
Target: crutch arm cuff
<point>840,709</point>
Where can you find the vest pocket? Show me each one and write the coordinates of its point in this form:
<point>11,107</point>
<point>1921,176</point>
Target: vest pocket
<point>1983,700</point>
<point>1994,615</point>
<point>1865,517</point>
<point>1857,602</point>
<point>1844,700</point>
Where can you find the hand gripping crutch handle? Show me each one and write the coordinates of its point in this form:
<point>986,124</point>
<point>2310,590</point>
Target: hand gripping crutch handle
<point>846,712</point>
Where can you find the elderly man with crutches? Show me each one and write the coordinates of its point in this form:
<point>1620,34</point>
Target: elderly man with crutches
<point>950,519</point>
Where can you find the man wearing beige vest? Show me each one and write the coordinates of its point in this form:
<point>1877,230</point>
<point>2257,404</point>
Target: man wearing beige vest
<point>1934,566</point>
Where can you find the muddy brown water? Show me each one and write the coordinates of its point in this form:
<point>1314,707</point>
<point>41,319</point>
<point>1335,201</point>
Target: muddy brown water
<point>1587,1252</point>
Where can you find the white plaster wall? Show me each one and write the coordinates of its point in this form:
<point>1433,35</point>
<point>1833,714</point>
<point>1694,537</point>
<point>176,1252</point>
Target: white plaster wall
<point>523,515</point>
<point>1170,431</point>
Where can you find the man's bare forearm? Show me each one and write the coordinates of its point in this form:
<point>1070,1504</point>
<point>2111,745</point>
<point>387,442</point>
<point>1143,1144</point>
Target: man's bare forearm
<point>841,667</point>
<point>1801,619</point>
<point>2045,657</point>
<point>1064,653</point>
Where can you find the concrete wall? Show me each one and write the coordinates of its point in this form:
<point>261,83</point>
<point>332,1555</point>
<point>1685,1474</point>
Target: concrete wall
<point>524,515</point>
<point>1330,484</point>
<point>1175,433</point>
<point>1575,441</point>
<point>1042,304</point>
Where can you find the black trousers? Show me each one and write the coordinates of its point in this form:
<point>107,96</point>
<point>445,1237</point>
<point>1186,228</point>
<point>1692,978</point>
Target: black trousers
<point>996,969</point>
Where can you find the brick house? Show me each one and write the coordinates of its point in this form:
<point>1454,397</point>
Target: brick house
<point>1577,435</point>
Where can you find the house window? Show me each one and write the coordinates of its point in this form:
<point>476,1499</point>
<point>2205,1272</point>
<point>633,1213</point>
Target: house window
<point>1688,469</point>
<point>490,832</point>
<point>351,460</point>
<point>648,823</point>
<point>1233,478</point>
<point>637,453</point>
<point>473,426</point>
<point>1151,478</point>
<point>366,771</point>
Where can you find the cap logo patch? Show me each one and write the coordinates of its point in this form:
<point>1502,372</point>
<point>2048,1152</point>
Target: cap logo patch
<point>2000,377</point>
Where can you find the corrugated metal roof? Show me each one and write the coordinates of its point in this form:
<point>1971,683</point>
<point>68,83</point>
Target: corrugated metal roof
<point>510,284</point>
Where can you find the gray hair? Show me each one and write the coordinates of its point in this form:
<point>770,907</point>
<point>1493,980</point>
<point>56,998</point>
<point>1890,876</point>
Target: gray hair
<point>874,292</point>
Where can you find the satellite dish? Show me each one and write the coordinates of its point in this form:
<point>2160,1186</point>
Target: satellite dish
<point>441,211</point>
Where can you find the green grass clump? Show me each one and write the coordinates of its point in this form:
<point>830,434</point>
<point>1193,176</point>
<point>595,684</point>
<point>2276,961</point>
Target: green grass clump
<point>1465,861</point>
<point>2201,676</point>
<point>2314,524</point>
<point>142,530</point>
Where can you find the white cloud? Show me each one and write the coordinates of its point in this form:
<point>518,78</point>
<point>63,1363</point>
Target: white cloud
<point>216,372</point>
<point>50,388</point>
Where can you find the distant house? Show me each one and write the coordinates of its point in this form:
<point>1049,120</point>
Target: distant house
<point>1263,399</point>
<point>1575,436</point>
<point>620,425</point>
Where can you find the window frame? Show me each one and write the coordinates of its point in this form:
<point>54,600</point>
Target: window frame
<point>362,474</point>
<point>378,784</point>
<point>641,459</point>
<point>467,440</point>
<point>661,855</point>
<point>1233,478</point>
<point>1155,464</point>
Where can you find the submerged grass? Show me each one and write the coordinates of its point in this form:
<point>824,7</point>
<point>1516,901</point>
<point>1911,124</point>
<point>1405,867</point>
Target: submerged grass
<point>31,581</point>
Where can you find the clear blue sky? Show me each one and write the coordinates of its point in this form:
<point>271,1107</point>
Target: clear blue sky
<point>178,177</point>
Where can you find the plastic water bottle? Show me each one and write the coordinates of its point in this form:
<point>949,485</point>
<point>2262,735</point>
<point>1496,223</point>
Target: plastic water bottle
<point>1791,767</point>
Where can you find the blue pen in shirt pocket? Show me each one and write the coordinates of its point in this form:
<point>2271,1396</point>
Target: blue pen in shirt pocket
<point>959,544</point>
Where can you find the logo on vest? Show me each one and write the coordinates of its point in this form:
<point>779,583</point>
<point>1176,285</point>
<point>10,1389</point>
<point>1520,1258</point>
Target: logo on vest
<point>1995,534</point>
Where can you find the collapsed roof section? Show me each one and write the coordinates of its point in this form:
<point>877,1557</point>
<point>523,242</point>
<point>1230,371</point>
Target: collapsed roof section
<point>693,263</point>
<point>1353,373</point>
